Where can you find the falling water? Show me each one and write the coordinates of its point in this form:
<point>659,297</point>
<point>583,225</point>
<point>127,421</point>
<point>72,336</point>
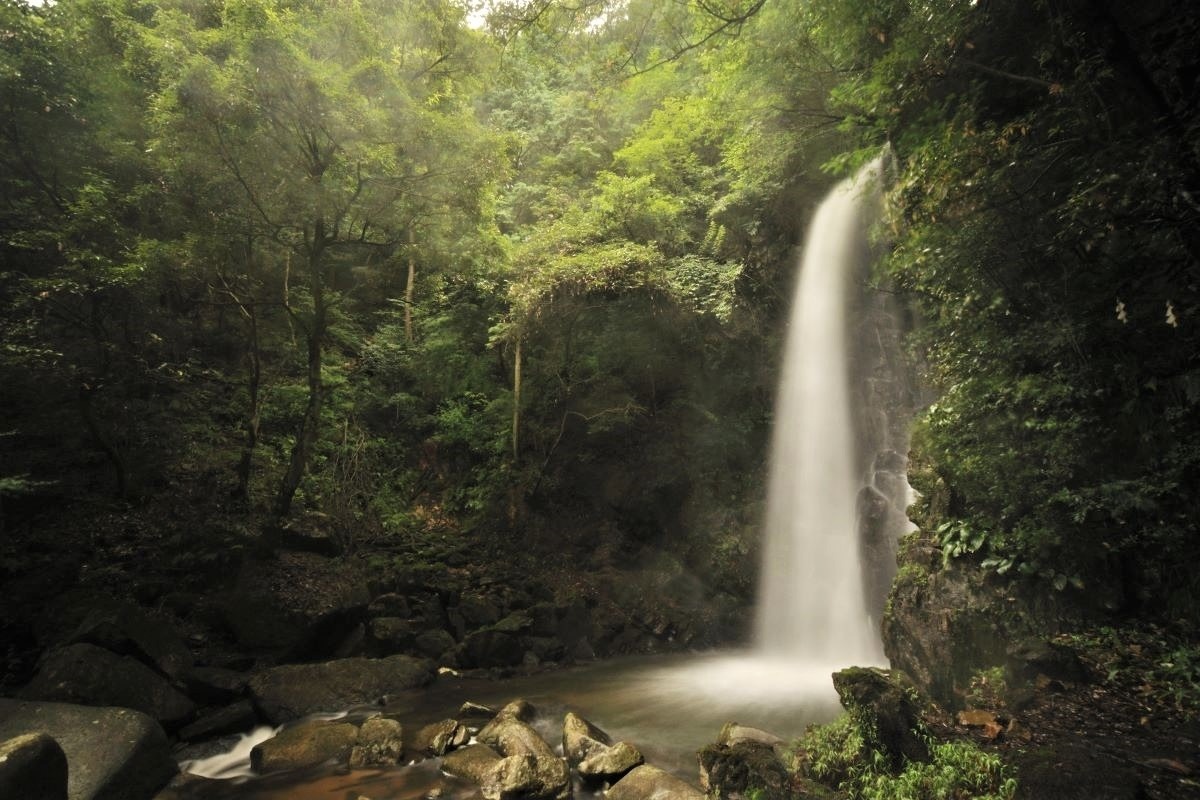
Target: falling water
<point>811,598</point>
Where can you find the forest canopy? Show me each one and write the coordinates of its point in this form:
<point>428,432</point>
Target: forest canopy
<point>408,266</point>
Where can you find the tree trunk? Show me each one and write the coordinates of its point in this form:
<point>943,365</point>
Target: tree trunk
<point>254,381</point>
<point>516,417</point>
<point>86,391</point>
<point>306,437</point>
<point>410,288</point>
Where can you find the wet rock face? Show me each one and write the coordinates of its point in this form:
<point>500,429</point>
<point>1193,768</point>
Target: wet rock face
<point>945,624</point>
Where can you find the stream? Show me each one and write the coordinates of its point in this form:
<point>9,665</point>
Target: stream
<point>669,706</point>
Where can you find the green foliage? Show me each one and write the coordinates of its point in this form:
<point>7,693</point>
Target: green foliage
<point>957,770</point>
<point>1160,664</point>
<point>837,755</point>
<point>1050,261</point>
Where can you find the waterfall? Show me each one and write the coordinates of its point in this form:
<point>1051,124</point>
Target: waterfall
<point>811,598</point>
<point>837,491</point>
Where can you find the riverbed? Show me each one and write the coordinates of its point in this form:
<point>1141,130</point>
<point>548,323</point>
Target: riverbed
<point>669,706</point>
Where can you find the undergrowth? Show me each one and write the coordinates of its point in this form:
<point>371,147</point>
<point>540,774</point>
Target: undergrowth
<point>836,755</point>
<point>1162,666</point>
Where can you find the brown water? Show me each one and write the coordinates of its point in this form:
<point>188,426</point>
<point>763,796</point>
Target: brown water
<point>669,706</point>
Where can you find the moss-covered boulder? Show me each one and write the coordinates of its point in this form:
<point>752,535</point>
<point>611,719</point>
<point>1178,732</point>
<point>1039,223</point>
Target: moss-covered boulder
<point>886,710</point>
<point>745,769</point>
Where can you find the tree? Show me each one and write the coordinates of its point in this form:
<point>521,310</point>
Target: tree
<point>319,118</point>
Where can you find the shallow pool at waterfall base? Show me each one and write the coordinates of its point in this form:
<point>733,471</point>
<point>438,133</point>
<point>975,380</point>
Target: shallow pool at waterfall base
<point>668,706</point>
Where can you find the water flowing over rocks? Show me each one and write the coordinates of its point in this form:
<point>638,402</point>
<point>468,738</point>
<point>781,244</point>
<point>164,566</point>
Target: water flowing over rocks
<point>304,745</point>
<point>111,753</point>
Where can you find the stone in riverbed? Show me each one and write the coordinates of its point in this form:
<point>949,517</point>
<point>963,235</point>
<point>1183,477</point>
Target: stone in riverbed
<point>304,745</point>
<point>512,737</point>
<point>289,692</point>
<point>610,763</point>
<point>112,753</point>
<point>380,744</point>
<point>33,766</point>
<point>90,675</point>
<point>472,762</point>
<point>439,737</point>
<point>732,733</point>
<point>581,738</point>
<point>527,777</point>
<point>647,782</point>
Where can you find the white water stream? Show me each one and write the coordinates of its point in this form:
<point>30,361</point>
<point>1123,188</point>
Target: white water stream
<point>811,600</point>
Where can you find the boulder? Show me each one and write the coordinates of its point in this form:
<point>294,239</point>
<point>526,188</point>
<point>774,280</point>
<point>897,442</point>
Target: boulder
<point>304,745</point>
<point>389,635</point>
<point>745,768</point>
<point>610,764</point>
<point>90,675</point>
<point>297,604</point>
<point>885,710</point>
<point>129,630</point>
<point>512,737</point>
<point>380,744</point>
<point>478,611</point>
<point>112,753</point>
<point>439,737</point>
<point>491,648</point>
<point>581,738</point>
<point>472,763</point>
<point>527,777</point>
<point>519,709</point>
<point>33,766</point>
<point>390,605</point>
<point>289,692</point>
<point>434,643</point>
<point>234,718</point>
<point>215,685</point>
<point>732,733</point>
<point>651,783</point>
